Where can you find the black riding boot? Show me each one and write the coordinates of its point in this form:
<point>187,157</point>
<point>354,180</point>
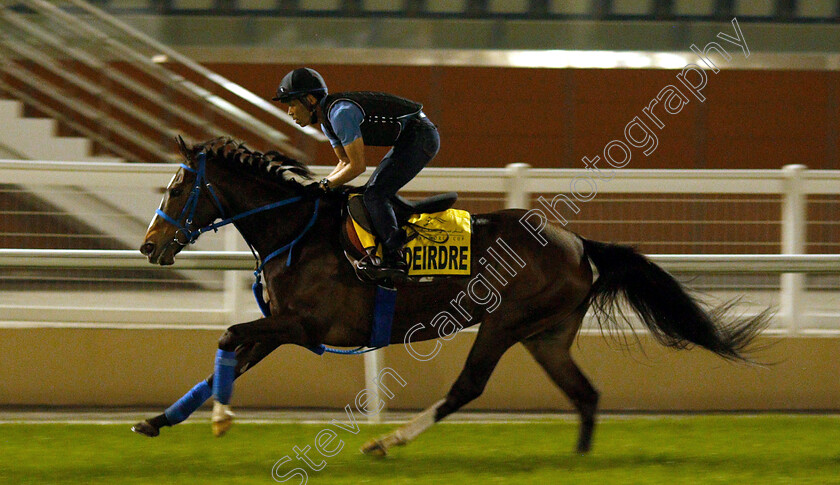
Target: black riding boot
<point>391,265</point>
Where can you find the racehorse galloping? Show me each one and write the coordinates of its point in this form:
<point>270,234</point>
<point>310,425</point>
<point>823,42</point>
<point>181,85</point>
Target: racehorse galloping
<point>316,298</point>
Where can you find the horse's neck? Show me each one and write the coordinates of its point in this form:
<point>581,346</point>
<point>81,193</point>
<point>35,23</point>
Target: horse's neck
<point>270,230</point>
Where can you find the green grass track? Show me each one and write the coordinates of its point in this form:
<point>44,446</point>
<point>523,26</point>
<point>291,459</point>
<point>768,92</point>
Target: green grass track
<point>721,449</point>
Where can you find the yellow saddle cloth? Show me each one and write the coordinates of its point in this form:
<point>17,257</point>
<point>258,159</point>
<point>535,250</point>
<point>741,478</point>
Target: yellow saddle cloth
<point>438,242</point>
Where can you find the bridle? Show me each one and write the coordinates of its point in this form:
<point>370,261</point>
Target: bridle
<point>184,223</point>
<point>185,226</point>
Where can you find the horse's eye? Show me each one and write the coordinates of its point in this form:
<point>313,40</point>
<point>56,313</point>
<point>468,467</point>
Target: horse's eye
<point>175,192</point>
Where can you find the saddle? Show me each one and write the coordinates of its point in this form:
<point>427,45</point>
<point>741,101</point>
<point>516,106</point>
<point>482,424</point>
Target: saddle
<point>403,208</point>
<point>438,236</point>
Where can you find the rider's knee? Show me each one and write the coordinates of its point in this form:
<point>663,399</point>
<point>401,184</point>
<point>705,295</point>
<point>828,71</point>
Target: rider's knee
<point>373,194</point>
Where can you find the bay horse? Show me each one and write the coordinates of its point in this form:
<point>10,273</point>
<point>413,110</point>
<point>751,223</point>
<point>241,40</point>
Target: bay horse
<point>315,297</point>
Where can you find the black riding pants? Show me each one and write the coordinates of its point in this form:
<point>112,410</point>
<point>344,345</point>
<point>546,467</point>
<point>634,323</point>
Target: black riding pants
<point>416,147</point>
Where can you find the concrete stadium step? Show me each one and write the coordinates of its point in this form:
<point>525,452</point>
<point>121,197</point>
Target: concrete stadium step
<point>36,139</point>
<point>10,109</point>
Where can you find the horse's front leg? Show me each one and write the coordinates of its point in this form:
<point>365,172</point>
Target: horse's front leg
<point>276,330</point>
<point>247,356</point>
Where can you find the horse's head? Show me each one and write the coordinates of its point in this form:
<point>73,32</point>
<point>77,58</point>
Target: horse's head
<point>189,203</point>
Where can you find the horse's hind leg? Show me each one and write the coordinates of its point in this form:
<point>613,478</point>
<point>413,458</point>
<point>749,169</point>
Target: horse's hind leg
<point>551,350</point>
<point>488,348</point>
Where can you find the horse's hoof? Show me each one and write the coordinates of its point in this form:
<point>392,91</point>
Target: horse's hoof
<point>221,427</point>
<point>583,447</point>
<point>146,429</point>
<point>374,447</point>
<point>221,420</point>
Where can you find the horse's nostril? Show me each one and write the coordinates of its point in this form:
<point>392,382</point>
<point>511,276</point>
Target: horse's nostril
<point>147,248</point>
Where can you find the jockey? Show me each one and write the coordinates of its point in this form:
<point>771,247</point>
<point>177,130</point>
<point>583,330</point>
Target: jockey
<point>351,121</point>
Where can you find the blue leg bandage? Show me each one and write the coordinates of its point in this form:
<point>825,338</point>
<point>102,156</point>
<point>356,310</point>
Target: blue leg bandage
<point>187,405</point>
<point>383,316</point>
<point>223,376</point>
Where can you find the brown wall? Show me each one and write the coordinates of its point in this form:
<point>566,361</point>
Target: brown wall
<point>155,367</point>
<point>553,117</point>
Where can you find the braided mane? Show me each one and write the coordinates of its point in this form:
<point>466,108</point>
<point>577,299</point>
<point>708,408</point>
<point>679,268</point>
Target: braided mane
<point>273,163</point>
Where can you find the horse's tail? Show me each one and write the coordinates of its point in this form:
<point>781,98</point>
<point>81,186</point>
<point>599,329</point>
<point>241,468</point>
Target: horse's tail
<point>673,317</point>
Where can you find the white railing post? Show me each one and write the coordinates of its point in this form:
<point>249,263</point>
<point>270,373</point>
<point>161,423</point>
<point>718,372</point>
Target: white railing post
<point>373,365</point>
<point>232,280</point>
<point>794,227</point>
<point>517,196</point>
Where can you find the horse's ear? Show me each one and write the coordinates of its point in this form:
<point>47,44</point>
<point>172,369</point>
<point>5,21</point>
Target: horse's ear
<point>182,146</point>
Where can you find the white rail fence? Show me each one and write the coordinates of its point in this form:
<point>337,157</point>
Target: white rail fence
<point>106,260</point>
<point>120,198</point>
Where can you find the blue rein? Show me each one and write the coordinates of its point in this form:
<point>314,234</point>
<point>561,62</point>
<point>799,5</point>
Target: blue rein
<point>188,212</point>
<point>186,227</point>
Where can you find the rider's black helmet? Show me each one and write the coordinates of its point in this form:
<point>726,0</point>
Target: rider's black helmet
<point>299,83</point>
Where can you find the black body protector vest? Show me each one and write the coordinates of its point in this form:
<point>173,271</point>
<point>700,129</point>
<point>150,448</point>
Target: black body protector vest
<point>385,115</point>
